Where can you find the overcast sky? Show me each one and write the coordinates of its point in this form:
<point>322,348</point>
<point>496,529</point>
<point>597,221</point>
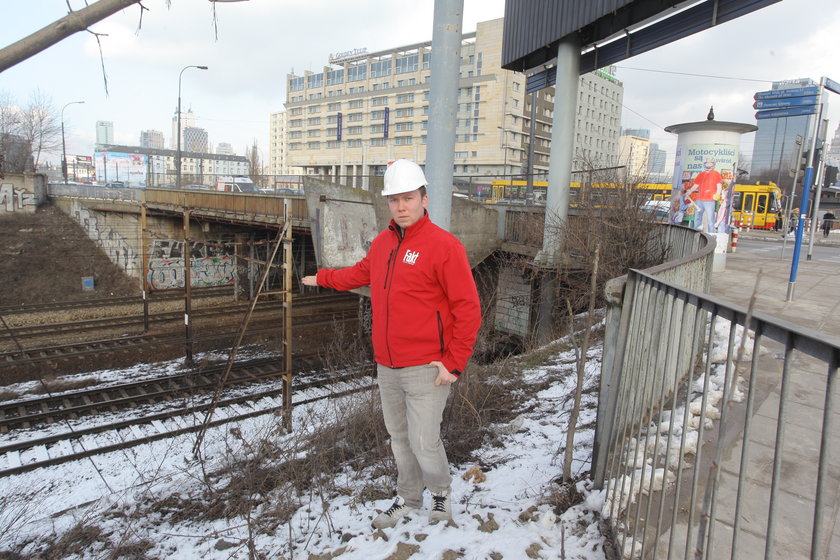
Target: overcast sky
<point>260,41</point>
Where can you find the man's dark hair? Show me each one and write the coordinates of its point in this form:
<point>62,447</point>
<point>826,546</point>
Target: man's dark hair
<point>422,191</point>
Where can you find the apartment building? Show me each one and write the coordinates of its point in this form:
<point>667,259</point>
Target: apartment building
<point>278,147</point>
<point>104,132</point>
<point>633,156</point>
<point>366,109</point>
<point>151,139</point>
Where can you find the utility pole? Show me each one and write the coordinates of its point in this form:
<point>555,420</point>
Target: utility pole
<point>187,290</point>
<point>63,147</point>
<point>178,150</point>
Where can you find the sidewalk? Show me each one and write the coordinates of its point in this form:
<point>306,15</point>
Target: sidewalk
<point>833,239</point>
<point>816,305</point>
<point>816,302</point>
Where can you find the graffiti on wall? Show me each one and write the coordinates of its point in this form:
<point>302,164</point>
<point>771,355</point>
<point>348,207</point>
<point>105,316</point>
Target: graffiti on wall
<point>210,264</point>
<point>166,274</point>
<point>12,199</point>
<point>118,249</point>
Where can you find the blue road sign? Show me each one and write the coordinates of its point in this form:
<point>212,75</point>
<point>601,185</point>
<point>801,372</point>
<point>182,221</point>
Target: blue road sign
<point>785,102</point>
<point>788,112</point>
<point>792,92</point>
<point>831,85</point>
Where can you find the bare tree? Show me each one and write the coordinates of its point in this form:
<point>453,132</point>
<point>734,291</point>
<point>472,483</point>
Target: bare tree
<point>72,23</point>
<point>22,130</point>
<point>253,156</point>
<point>40,126</point>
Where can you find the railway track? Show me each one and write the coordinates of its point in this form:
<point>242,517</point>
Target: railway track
<point>185,416</point>
<point>133,322</point>
<point>51,409</point>
<point>173,296</point>
<point>309,312</point>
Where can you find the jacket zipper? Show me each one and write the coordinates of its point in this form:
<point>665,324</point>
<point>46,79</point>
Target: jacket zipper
<point>440,332</point>
<point>390,267</point>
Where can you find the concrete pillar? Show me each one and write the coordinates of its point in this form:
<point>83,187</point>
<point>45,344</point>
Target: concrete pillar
<point>562,149</point>
<point>443,108</point>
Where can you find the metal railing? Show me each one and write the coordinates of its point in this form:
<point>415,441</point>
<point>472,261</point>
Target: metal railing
<point>693,453</point>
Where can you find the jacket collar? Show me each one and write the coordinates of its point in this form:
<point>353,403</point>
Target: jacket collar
<point>413,228</point>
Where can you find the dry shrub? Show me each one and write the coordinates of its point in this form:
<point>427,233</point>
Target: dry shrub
<point>77,540</point>
<point>132,550</point>
<point>562,495</point>
<point>484,395</point>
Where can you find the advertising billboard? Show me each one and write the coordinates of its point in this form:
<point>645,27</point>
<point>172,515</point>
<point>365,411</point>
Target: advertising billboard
<point>115,168</point>
<point>703,175</point>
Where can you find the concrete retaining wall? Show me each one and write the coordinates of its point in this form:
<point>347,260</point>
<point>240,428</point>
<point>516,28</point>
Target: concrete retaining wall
<point>22,192</point>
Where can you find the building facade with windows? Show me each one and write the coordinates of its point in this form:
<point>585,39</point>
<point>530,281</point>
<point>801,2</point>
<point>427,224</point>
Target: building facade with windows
<point>224,149</point>
<point>279,148</point>
<point>633,157</point>
<point>775,145</point>
<point>366,109</point>
<point>151,139</point>
<point>104,132</point>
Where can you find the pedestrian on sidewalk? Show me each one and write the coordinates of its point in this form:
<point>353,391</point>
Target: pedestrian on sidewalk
<point>426,316</point>
<point>828,223</point>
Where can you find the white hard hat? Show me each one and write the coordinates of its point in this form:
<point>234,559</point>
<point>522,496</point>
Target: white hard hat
<point>403,176</point>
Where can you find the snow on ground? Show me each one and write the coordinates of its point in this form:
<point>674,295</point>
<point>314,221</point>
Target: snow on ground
<point>508,515</point>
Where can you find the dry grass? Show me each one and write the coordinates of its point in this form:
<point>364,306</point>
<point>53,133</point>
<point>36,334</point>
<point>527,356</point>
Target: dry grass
<point>50,385</point>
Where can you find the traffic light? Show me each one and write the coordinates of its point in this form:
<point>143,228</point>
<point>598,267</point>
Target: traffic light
<point>804,162</point>
<point>829,175</point>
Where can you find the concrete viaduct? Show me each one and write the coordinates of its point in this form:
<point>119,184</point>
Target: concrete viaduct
<point>332,226</point>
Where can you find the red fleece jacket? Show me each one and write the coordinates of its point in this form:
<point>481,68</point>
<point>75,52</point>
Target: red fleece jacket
<point>425,303</point>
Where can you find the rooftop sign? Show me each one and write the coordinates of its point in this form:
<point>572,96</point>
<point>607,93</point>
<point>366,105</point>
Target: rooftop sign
<point>348,56</point>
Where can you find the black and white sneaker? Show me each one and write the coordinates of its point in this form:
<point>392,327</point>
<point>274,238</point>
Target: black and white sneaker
<point>441,508</point>
<point>392,515</point>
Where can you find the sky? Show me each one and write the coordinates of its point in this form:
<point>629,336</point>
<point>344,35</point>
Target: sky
<point>260,41</point>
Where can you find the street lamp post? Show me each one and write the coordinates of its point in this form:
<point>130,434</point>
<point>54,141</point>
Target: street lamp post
<point>178,133</point>
<point>63,146</point>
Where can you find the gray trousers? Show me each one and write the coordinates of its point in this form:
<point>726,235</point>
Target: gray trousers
<point>412,406</point>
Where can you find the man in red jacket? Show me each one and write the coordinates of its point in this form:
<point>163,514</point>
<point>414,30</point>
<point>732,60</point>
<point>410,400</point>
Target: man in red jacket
<point>426,316</point>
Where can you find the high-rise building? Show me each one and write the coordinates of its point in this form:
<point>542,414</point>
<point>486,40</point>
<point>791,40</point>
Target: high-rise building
<point>656,160</point>
<point>151,139</point>
<point>775,147</point>
<point>278,147</point>
<point>366,109</point>
<point>224,148</point>
<point>104,132</point>
<point>832,156</point>
<point>195,140</point>
<point>198,137</point>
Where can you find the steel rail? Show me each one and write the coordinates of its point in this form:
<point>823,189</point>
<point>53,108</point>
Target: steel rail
<point>51,440</point>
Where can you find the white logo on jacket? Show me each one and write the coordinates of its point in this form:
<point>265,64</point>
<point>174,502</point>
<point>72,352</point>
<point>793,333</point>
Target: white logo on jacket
<point>411,257</point>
